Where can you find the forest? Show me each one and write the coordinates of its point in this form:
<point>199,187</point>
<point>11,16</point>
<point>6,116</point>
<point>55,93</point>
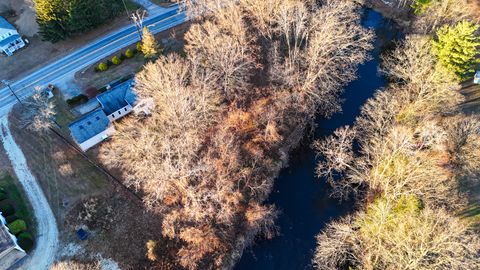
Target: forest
<point>411,155</point>
<point>60,19</point>
<point>254,75</point>
<point>226,116</point>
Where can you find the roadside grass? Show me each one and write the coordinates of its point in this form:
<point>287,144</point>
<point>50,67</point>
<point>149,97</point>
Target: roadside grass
<point>163,3</point>
<point>64,175</point>
<point>131,6</point>
<point>88,78</point>
<point>17,198</point>
<point>63,115</point>
<point>100,79</point>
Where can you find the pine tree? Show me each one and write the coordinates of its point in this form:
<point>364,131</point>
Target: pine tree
<point>149,44</point>
<point>457,47</point>
<point>60,19</point>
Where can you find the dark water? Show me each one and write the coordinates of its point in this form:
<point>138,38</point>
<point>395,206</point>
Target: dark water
<point>303,198</point>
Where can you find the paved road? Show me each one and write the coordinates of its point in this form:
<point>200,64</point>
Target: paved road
<point>160,20</point>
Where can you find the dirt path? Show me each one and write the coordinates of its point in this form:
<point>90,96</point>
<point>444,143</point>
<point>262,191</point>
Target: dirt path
<point>42,257</point>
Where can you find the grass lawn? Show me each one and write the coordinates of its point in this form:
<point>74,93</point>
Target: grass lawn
<point>16,197</point>
<point>64,175</point>
<point>163,3</point>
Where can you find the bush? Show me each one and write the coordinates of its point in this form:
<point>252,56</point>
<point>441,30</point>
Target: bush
<point>3,196</point>
<point>116,60</point>
<point>77,100</point>
<point>139,47</point>
<point>102,66</point>
<point>122,56</point>
<point>17,226</point>
<point>11,218</point>
<point>25,241</point>
<point>129,53</point>
<point>7,209</point>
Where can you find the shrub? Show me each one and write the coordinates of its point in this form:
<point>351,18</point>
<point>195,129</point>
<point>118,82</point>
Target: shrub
<point>17,226</point>
<point>77,100</point>
<point>122,56</point>
<point>7,209</point>
<point>129,53</point>
<point>139,47</point>
<point>25,241</point>
<point>11,218</point>
<point>116,60</point>
<point>102,66</point>
<point>3,196</point>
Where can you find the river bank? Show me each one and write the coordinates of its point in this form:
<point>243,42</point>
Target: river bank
<point>304,199</point>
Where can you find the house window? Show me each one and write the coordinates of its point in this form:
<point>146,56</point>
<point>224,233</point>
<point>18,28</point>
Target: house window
<point>119,112</point>
<point>125,109</point>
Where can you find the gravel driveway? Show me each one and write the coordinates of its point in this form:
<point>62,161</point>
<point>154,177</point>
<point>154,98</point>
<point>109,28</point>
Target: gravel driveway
<point>43,256</point>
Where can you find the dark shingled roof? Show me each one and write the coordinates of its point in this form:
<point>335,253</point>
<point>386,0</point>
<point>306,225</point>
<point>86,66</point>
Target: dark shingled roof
<point>89,125</point>
<point>4,24</point>
<point>117,98</point>
<point>8,40</point>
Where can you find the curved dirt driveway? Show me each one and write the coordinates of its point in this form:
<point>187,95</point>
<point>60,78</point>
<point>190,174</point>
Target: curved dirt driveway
<point>43,256</point>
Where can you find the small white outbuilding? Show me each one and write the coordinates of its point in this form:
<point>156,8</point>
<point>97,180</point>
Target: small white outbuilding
<point>476,78</point>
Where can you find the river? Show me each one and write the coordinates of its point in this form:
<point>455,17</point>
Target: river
<point>302,198</point>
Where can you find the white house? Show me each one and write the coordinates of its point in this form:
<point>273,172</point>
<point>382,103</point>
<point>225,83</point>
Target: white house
<point>10,40</point>
<point>95,127</point>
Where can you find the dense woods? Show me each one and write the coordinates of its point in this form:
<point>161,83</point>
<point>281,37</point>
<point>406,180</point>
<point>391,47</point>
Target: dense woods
<point>60,19</point>
<point>221,121</point>
<point>416,149</point>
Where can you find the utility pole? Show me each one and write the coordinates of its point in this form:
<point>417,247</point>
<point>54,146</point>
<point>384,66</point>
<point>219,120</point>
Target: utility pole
<point>7,83</point>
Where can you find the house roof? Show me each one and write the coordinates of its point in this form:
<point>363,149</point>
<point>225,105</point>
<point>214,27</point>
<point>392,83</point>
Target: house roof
<point>89,125</point>
<point>4,24</point>
<point>5,42</point>
<point>117,98</point>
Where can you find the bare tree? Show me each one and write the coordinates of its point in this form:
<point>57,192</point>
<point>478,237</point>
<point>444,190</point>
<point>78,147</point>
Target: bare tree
<point>323,50</point>
<point>158,151</point>
<point>71,265</point>
<point>221,46</point>
<point>442,12</point>
<point>39,111</point>
<point>390,235</point>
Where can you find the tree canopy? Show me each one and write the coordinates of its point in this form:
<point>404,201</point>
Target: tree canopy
<point>60,19</point>
<point>457,47</point>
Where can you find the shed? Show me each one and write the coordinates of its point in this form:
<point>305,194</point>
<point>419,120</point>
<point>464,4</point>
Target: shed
<point>476,78</point>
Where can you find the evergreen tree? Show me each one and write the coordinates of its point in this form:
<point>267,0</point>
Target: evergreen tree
<point>60,19</point>
<point>420,6</point>
<point>149,44</point>
<point>457,47</point>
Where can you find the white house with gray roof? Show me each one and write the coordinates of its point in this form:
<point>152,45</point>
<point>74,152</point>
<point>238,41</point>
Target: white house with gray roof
<point>96,126</point>
<point>10,40</point>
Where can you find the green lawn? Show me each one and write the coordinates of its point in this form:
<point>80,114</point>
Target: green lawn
<point>18,200</point>
<point>163,3</point>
